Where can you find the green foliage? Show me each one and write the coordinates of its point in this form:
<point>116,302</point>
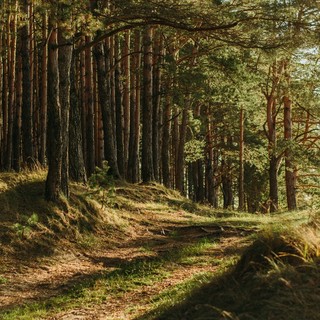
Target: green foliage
<point>3,280</point>
<point>24,229</point>
<point>103,184</point>
<point>194,150</point>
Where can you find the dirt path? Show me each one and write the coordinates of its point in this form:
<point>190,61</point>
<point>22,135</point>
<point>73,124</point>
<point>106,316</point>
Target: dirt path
<point>52,276</point>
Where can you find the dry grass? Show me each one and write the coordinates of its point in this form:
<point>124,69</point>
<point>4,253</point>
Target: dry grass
<point>277,277</point>
<point>146,237</point>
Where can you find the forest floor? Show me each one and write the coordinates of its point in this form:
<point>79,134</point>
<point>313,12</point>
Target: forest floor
<point>138,256</point>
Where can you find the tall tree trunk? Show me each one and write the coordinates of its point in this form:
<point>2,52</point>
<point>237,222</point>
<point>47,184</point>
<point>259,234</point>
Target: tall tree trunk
<point>16,137</point>
<point>98,130</point>
<point>147,158</point>
<point>84,107</point>
<point>11,79</point>
<point>274,160</point>
<point>226,177</point>
<point>101,52</point>
<point>180,166</point>
<point>200,192</point>
<point>157,74</point>
<point>119,108</point>
<point>209,167</point>
<point>65,57</point>
<point>27,118</point>
<point>43,96</point>
<point>90,111</point>
<point>77,168</point>
<point>5,96</point>
<point>133,161</point>
<point>54,142</point>
<point>126,99</point>
<point>165,153</point>
<point>290,170</point>
<point>175,146</point>
<point>226,186</point>
<point>273,183</point>
<point>241,162</point>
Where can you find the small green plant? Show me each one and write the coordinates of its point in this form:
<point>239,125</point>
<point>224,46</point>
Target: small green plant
<point>24,229</point>
<point>3,280</point>
<point>103,184</point>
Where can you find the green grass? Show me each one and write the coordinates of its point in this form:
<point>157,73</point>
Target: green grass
<point>276,277</point>
<point>106,285</point>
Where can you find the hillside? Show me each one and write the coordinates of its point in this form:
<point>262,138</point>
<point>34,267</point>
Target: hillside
<point>145,252</point>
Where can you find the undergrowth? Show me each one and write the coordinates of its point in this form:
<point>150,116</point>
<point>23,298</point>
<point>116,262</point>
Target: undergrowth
<point>276,277</point>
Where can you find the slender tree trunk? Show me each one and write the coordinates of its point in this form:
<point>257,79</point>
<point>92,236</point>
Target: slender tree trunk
<point>17,117</point>
<point>273,183</point>
<point>54,142</point>
<point>290,171</point>
<point>226,177</point>
<point>157,74</point>
<point>226,186</point>
<point>65,57</point>
<point>11,79</point>
<point>90,111</point>
<point>166,128</point>
<point>77,168</point>
<point>180,166</point>
<point>27,117</point>
<point>273,160</point>
<point>126,100</point>
<point>98,129</point>
<point>241,162</point>
<point>5,96</point>
<point>209,167</point>
<point>119,108</point>
<point>147,158</point>
<point>133,162</point>
<point>200,192</point>
<point>44,89</point>
<point>84,108</point>
<point>100,52</point>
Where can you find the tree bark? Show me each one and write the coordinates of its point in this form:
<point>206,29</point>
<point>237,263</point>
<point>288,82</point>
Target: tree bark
<point>165,153</point>
<point>241,162</point>
<point>290,170</point>
<point>180,165</point>
<point>77,168</point>
<point>90,112</point>
<point>147,158</point>
<point>119,108</point>
<point>54,142</point>
<point>133,161</point>
<point>100,52</point>
<point>17,117</point>
<point>65,57</point>
<point>157,74</point>
<point>126,100</point>
<point>44,89</point>
<point>27,117</point>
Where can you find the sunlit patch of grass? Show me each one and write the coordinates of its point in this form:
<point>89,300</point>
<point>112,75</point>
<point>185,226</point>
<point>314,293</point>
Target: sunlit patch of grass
<point>277,277</point>
<point>106,285</point>
<point>177,294</point>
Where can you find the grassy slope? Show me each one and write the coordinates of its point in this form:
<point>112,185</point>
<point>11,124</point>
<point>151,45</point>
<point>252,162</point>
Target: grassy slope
<point>182,255</point>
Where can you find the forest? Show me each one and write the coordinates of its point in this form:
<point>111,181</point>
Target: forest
<point>217,99</point>
<point>158,126</point>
